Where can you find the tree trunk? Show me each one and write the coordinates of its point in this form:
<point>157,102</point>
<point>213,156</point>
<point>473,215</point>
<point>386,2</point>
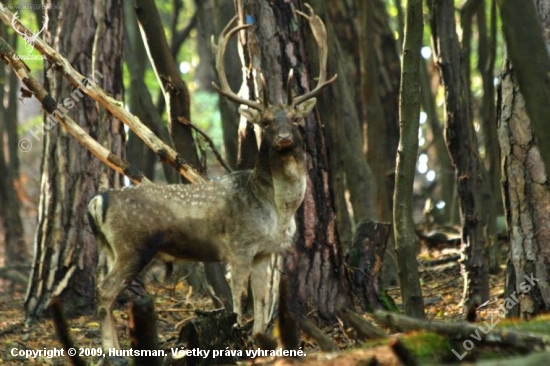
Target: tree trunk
<point>342,123</point>
<point>492,194</point>
<point>406,241</point>
<point>174,89</point>
<point>15,247</point>
<point>65,253</point>
<point>523,38</point>
<point>525,192</point>
<point>377,126</point>
<point>135,57</point>
<point>438,149</point>
<point>317,277</point>
<point>459,135</point>
<point>213,15</point>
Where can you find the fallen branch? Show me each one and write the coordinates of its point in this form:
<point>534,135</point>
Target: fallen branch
<point>364,329</point>
<point>323,341</point>
<point>463,330</point>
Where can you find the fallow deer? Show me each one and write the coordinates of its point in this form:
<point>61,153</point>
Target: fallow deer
<point>241,218</point>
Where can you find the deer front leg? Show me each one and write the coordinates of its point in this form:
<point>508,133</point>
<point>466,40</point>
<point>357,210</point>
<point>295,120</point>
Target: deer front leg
<point>260,281</point>
<point>240,272</point>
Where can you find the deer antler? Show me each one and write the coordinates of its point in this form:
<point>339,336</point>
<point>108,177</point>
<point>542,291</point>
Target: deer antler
<point>219,50</point>
<point>15,27</point>
<point>44,25</point>
<point>320,34</point>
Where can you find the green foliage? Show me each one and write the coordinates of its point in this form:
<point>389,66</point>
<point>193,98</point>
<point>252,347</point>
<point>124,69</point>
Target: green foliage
<point>29,124</point>
<point>206,115</point>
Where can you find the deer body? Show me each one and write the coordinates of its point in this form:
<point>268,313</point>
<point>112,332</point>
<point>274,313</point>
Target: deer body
<point>204,222</point>
<point>241,218</point>
<point>200,222</point>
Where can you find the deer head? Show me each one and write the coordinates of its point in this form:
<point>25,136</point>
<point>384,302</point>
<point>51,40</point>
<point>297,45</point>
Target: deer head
<point>261,112</point>
<point>31,40</point>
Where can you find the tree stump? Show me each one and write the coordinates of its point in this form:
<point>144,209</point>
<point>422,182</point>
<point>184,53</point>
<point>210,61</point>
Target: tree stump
<point>213,331</point>
<point>364,259</point>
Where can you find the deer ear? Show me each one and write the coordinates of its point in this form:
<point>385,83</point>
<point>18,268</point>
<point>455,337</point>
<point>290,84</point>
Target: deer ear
<point>252,115</point>
<point>304,108</point>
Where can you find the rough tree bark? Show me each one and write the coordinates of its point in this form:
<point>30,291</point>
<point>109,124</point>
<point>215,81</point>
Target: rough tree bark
<point>459,135</point>
<point>315,267</point>
<point>523,37</point>
<point>65,253</point>
<point>525,190</point>
<point>406,240</point>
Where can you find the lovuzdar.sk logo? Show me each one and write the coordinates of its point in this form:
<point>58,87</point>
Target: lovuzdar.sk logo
<point>29,39</point>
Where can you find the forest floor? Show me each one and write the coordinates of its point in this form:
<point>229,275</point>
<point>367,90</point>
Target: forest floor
<point>175,304</point>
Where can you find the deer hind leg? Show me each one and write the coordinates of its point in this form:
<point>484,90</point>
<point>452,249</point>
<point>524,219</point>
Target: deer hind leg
<point>118,278</point>
<point>261,282</point>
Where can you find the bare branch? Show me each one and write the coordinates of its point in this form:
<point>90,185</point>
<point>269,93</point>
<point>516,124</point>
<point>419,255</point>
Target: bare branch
<point>115,107</point>
<point>50,105</point>
<point>211,144</point>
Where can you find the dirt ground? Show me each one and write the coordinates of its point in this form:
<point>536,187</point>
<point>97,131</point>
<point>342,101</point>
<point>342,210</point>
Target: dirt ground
<point>175,304</point>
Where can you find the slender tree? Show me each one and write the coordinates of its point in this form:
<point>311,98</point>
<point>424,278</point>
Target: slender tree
<point>406,241</point>
<point>487,113</point>
<point>459,135</point>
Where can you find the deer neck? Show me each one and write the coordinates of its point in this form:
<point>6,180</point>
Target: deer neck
<point>279,177</point>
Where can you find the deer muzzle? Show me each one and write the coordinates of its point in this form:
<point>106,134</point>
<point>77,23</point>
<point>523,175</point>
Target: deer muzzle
<point>284,141</point>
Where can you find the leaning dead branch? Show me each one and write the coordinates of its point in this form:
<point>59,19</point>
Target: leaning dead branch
<point>116,108</point>
<point>50,105</point>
